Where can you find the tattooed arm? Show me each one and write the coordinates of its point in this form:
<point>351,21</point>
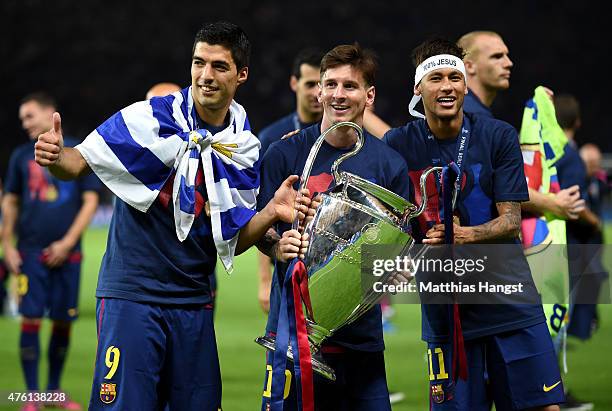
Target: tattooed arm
<point>507,225</point>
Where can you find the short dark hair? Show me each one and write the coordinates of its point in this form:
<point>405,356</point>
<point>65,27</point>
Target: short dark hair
<point>42,98</point>
<point>229,36</point>
<point>434,46</point>
<point>311,56</point>
<point>567,110</point>
<point>352,54</point>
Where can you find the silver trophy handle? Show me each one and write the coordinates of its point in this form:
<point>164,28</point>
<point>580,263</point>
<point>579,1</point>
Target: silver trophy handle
<point>423,188</point>
<point>355,150</point>
<point>422,183</point>
<point>315,150</point>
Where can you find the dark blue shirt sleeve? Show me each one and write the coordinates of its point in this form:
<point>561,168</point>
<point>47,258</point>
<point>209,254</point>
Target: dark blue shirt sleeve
<point>473,105</point>
<point>14,178</point>
<point>400,183</point>
<point>401,178</point>
<point>509,183</point>
<point>390,138</point>
<point>571,170</point>
<point>90,182</point>
<point>273,172</point>
<point>266,139</point>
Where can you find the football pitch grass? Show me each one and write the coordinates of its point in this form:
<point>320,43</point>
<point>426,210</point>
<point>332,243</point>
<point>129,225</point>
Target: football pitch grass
<point>239,320</point>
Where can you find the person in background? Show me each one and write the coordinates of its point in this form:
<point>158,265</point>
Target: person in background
<point>488,67</point>
<point>162,89</point>
<point>48,217</point>
<point>571,172</point>
<point>304,82</point>
<point>597,190</point>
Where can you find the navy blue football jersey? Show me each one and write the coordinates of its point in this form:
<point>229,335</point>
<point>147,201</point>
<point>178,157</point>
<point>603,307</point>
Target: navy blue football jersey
<point>473,105</point>
<point>145,261</point>
<point>375,162</point>
<point>279,128</point>
<point>572,171</point>
<point>493,173</point>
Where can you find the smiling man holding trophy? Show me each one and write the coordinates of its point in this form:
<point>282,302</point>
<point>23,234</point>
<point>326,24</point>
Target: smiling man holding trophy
<point>361,204</point>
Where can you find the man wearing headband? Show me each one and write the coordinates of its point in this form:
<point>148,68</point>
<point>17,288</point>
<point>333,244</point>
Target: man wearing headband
<point>355,352</point>
<point>486,154</point>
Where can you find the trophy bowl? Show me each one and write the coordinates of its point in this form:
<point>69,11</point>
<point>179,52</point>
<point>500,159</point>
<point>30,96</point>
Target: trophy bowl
<point>353,213</point>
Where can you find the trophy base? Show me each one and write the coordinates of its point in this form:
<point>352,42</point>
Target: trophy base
<point>317,363</point>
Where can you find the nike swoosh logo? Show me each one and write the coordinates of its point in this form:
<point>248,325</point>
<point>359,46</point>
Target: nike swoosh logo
<point>546,389</point>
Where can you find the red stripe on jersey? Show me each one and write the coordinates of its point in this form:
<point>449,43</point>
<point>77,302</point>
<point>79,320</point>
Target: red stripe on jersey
<point>199,199</point>
<point>165,194</point>
<point>100,317</point>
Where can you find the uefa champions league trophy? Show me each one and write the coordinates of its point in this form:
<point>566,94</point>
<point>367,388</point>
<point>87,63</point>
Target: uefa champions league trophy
<point>353,213</point>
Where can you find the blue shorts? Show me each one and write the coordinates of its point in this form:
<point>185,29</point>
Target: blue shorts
<point>515,370</point>
<point>52,291</point>
<point>361,383</point>
<point>151,356</point>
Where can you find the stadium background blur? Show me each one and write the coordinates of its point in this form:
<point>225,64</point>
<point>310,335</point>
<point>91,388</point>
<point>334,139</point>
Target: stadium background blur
<point>98,56</point>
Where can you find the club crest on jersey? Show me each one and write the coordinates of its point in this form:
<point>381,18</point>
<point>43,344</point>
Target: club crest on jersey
<point>108,392</point>
<point>437,393</point>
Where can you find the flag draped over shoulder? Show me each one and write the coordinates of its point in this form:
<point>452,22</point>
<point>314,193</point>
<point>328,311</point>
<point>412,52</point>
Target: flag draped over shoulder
<point>542,143</point>
<point>139,148</point>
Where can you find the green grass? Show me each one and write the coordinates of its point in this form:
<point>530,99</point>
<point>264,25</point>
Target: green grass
<point>239,320</point>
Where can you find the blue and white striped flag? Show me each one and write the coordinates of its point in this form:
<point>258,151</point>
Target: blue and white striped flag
<point>136,150</point>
